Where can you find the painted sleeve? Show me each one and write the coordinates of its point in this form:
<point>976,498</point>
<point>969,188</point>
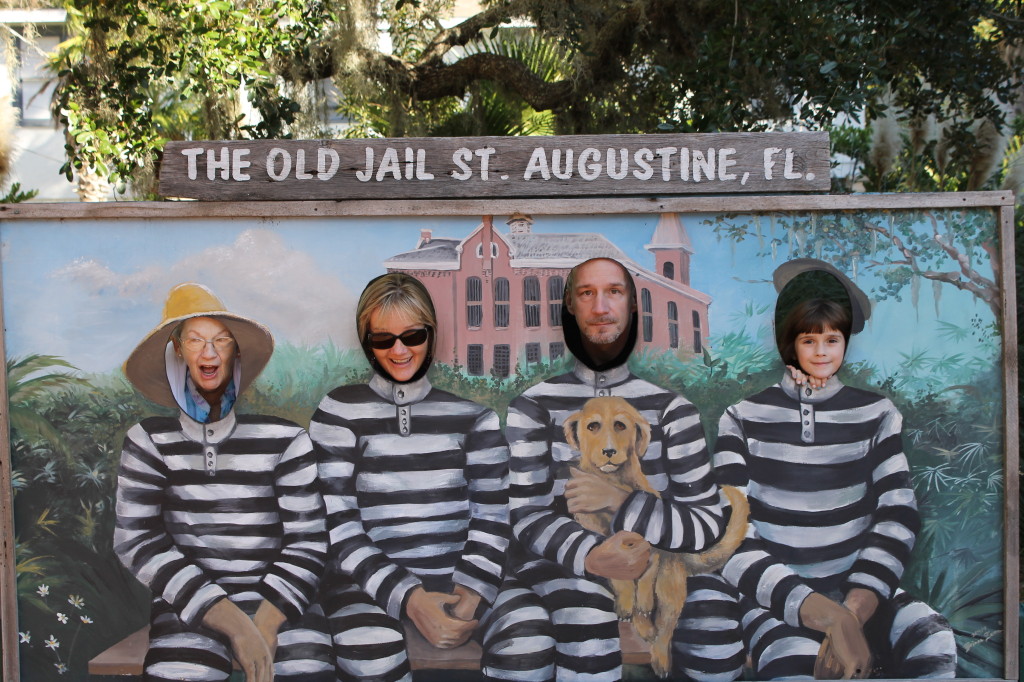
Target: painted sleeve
<point>351,551</point>
<point>895,521</point>
<point>688,517</point>
<point>536,523</point>
<point>292,579</point>
<point>481,566</point>
<point>752,569</point>
<point>141,540</point>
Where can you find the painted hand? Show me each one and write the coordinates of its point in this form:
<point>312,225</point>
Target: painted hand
<point>623,556</point>
<point>468,602</point>
<point>247,642</point>
<point>845,653</point>
<point>591,493</point>
<point>268,620</point>
<point>800,378</point>
<point>427,611</point>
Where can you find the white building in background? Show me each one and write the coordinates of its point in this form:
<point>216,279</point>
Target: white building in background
<point>38,140</point>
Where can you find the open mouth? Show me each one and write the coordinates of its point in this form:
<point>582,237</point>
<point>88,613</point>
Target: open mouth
<point>209,371</point>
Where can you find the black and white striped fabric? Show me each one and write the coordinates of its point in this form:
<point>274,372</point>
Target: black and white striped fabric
<point>416,486</point>
<point>552,546</point>
<point>226,509</point>
<point>832,509</point>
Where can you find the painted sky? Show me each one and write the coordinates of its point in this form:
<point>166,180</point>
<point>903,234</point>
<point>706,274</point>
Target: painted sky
<point>89,291</point>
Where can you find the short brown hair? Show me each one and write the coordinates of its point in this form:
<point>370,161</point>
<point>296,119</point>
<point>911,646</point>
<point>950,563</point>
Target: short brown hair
<point>812,316</point>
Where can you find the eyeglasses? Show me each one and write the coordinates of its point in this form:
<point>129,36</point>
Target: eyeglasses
<point>195,344</point>
<point>384,340</point>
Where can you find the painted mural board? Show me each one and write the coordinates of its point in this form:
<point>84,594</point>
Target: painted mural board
<point>83,284</point>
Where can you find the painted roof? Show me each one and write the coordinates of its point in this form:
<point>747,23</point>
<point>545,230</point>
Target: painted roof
<point>438,249</point>
<point>576,246</point>
<point>670,234</point>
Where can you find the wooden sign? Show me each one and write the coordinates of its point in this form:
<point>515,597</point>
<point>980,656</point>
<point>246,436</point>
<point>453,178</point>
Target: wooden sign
<point>431,168</point>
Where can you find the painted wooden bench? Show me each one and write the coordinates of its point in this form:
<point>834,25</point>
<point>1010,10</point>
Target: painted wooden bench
<point>126,657</point>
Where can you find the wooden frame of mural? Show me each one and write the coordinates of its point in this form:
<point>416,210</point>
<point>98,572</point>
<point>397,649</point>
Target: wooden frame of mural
<point>83,283</point>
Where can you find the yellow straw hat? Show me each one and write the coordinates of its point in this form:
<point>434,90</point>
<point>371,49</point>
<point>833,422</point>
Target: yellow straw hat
<point>146,366</point>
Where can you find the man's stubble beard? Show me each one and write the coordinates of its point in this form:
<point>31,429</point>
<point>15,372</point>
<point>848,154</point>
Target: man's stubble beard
<point>603,338</point>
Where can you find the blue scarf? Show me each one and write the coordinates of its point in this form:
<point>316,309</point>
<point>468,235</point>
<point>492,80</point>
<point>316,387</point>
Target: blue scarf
<point>196,405</point>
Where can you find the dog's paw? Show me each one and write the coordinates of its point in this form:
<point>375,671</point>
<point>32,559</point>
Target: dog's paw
<point>644,625</point>
<point>661,661</point>
<point>625,603</point>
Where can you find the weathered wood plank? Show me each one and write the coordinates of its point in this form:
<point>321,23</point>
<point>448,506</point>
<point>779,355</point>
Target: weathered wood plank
<point>594,206</point>
<point>8,578</point>
<point>581,165</point>
<point>1011,577</point>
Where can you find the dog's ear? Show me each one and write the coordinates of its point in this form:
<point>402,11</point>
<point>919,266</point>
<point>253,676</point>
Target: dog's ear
<point>570,426</point>
<point>643,435</point>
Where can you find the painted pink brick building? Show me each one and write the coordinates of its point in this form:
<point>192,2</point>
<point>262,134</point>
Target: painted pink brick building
<point>498,295</point>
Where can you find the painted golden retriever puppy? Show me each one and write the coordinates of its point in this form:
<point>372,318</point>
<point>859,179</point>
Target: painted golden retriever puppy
<point>611,437</point>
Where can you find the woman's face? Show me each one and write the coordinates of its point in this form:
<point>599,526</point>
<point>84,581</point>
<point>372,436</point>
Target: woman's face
<point>820,355</point>
<point>209,351</point>
<point>399,361</point>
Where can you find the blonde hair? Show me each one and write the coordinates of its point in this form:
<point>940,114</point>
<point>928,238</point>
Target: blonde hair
<point>395,291</point>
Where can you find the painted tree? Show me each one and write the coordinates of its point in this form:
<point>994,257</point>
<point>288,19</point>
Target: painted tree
<point>892,245</point>
<point>626,66</point>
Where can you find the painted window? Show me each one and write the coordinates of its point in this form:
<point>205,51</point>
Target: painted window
<point>531,301</point>
<point>556,289</point>
<point>669,270</point>
<point>475,359</point>
<point>501,305</point>
<point>673,325</point>
<point>532,353</point>
<point>474,302</point>
<point>697,345</point>
<point>648,315</point>
<point>556,349</point>
<point>501,360</point>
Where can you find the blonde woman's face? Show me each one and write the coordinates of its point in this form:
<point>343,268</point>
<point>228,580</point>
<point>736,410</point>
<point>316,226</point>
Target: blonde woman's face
<point>400,361</point>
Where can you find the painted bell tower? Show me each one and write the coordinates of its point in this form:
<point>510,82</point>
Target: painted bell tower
<point>672,249</point>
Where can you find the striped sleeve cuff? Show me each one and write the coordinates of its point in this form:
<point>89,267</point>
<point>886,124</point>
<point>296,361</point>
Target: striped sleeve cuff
<point>202,601</point>
<point>794,601</point>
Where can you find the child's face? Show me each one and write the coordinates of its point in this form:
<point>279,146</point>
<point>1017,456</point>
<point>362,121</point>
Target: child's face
<point>821,354</point>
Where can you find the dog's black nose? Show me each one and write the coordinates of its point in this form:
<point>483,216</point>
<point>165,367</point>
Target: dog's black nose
<point>608,452</point>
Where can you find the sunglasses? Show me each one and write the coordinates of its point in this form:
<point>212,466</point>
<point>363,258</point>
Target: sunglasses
<point>412,337</point>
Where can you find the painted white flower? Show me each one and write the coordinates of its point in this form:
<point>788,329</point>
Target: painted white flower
<point>86,619</point>
<point>62,618</point>
<point>52,643</point>
<point>76,601</point>
<point>43,590</point>
<point>61,668</point>
<point>24,637</point>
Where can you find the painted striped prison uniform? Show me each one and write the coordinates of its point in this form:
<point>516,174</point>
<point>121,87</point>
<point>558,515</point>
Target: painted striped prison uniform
<point>832,508</point>
<point>226,509</point>
<point>416,486</point>
<point>553,546</point>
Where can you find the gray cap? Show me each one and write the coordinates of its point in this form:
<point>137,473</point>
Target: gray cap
<point>860,304</point>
